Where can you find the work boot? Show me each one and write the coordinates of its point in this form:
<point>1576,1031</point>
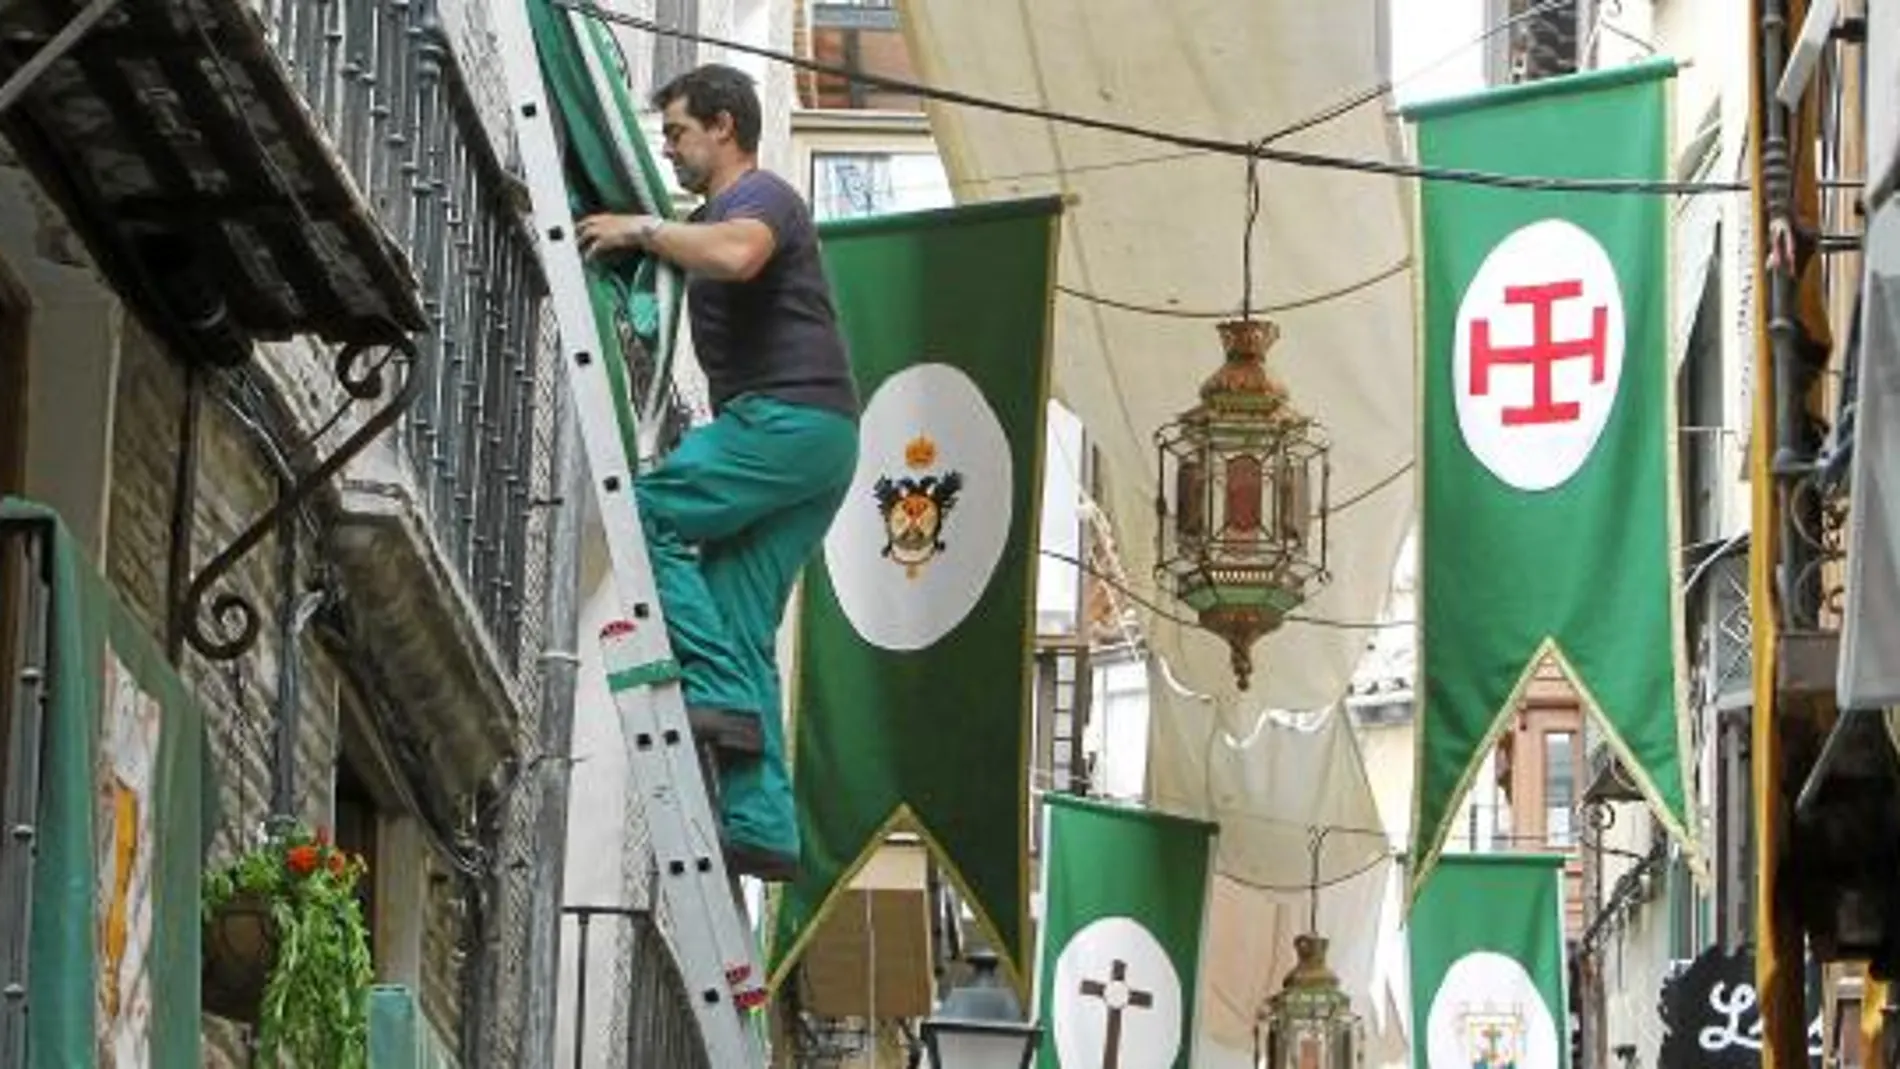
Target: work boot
<point>728,731</point>
<point>758,862</point>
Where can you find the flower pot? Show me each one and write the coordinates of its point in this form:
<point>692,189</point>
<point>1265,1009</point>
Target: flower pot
<point>240,946</point>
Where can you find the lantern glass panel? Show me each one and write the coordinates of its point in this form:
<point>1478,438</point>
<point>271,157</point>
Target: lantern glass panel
<point>1243,504</point>
<point>1190,498</point>
<point>1312,1049</point>
<point>1293,502</point>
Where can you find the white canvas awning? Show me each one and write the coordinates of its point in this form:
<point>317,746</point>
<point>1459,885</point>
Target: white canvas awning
<point>1157,227</point>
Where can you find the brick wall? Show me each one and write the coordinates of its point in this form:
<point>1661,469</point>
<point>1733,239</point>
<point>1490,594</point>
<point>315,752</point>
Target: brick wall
<point>236,484</point>
<point>239,697</point>
<point>285,395</point>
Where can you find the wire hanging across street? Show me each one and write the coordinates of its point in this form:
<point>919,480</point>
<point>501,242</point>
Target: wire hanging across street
<point>1261,149</point>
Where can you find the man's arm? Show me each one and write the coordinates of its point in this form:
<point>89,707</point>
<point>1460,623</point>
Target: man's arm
<point>734,250</point>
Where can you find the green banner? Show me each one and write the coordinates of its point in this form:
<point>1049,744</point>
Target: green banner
<point>916,630</point>
<point>1488,982</point>
<point>1120,958</point>
<point>1547,446</point>
<point>114,950</point>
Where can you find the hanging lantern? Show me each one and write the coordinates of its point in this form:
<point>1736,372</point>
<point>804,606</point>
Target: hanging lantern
<point>1310,1023</point>
<point>1242,499</point>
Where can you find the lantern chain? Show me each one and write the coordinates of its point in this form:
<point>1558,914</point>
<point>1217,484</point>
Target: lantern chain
<point>1316,843</point>
<point>1246,240</point>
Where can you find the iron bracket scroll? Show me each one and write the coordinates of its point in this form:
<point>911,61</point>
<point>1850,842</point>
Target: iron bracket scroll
<point>238,620</point>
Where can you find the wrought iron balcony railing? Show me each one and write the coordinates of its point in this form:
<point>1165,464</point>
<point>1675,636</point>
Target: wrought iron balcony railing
<point>248,170</point>
<point>380,78</point>
<point>645,999</point>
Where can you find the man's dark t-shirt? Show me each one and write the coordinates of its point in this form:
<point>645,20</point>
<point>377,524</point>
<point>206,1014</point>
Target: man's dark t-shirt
<point>776,335</point>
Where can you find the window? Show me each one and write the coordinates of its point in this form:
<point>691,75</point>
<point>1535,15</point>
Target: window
<point>1703,440</point>
<point>1560,788</point>
<point>849,184</point>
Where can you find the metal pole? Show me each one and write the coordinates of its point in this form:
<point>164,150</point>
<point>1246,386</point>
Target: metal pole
<point>580,993</point>
<point>184,495</point>
<point>1793,455</point>
<point>284,740</point>
<point>560,664</point>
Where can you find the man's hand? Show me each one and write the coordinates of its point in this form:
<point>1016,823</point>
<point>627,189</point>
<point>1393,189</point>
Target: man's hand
<point>734,250</point>
<point>604,235</point>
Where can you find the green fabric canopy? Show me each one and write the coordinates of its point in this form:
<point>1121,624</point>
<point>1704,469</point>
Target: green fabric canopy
<point>610,169</point>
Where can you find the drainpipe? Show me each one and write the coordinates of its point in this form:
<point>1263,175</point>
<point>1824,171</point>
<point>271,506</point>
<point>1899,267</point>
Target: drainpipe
<point>1793,456</point>
<point>184,496</point>
<point>551,765</point>
<point>295,612</point>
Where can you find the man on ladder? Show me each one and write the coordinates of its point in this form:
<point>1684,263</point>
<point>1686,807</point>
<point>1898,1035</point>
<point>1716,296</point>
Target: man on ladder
<point>735,511</point>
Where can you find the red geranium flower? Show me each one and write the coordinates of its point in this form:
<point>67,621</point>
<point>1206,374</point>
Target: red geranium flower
<point>302,860</point>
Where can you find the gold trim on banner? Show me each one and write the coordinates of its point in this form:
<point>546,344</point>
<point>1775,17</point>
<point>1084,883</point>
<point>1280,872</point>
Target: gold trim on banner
<point>905,818</point>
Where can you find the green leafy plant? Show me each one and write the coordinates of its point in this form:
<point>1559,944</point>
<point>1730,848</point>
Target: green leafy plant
<point>315,1003</point>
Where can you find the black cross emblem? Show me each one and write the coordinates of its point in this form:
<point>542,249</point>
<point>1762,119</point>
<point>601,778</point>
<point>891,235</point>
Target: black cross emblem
<point>1117,996</point>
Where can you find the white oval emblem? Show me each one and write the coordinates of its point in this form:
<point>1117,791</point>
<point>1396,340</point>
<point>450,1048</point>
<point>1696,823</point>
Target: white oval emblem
<point>1117,999</point>
<point>925,522</point>
<point>1488,1014</point>
<point>1538,354</point>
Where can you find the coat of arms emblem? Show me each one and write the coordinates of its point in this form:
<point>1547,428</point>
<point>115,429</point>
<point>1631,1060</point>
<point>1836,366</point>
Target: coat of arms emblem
<point>915,507</point>
<point>1493,1039</point>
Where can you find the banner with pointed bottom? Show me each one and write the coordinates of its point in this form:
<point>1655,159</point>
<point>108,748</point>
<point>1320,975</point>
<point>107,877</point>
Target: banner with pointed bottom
<point>1547,445</point>
<point>916,635</point>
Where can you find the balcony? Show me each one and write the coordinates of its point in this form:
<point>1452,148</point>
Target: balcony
<point>261,171</point>
<point>176,132</point>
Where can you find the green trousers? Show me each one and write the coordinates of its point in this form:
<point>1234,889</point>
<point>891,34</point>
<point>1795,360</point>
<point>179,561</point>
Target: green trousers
<point>731,517</point>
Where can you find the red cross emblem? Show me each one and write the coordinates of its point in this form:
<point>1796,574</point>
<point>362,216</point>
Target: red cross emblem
<point>1537,354</point>
<point>1542,354</point>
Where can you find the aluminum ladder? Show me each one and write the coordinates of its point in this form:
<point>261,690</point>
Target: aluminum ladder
<point>706,931</point>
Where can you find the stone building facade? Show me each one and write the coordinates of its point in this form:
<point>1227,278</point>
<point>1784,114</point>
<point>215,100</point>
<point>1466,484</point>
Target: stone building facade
<point>393,691</point>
